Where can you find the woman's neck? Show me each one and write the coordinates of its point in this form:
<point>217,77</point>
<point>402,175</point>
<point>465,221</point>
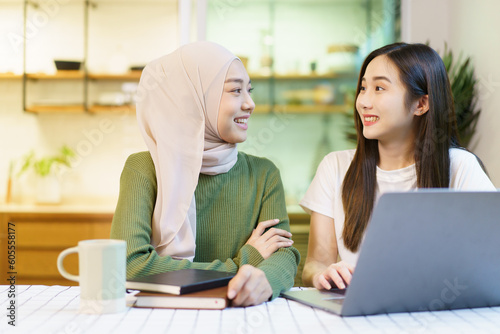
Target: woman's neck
<point>394,156</point>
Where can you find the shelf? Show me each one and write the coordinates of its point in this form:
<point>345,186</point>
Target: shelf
<point>53,109</point>
<point>132,75</point>
<point>8,76</point>
<point>73,109</point>
<point>260,109</point>
<point>136,75</point>
<point>59,75</point>
<point>256,76</point>
<point>63,75</point>
<point>302,109</point>
<point>96,109</point>
<point>311,108</point>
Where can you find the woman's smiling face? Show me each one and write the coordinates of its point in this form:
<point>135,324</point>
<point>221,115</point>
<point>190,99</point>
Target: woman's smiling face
<point>381,103</point>
<point>236,105</point>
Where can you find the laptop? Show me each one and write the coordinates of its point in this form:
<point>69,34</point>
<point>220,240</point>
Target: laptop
<point>425,250</point>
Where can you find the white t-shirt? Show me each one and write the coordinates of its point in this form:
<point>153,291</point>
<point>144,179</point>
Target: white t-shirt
<point>324,195</point>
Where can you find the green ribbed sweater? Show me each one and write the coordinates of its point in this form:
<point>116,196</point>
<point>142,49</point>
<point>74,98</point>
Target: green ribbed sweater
<point>228,207</point>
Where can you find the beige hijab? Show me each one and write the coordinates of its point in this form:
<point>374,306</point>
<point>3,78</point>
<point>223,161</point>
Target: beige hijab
<point>177,108</point>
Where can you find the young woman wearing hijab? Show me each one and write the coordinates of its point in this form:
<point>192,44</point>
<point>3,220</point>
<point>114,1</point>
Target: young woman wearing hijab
<point>406,128</point>
<point>193,200</point>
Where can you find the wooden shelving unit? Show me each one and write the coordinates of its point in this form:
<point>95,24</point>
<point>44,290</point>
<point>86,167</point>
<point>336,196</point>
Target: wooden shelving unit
<point>53,109</point>
<point>135,76</point>
<point>311,108</point>
<point>59,75</point>
<point>302,109</point>
<point>10,76</point>
<point>262,109</point>
<point>132,75</point>
<point>80,75</point>
<point>312,76</point>
<point>97,109</point>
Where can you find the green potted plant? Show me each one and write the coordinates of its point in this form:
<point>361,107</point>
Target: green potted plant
<point>463,87</point>
<point>48,170</point>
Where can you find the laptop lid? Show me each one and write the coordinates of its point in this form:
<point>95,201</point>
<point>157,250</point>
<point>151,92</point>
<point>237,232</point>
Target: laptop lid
<point>428,250</point>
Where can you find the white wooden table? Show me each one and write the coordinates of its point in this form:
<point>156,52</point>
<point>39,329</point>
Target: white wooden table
<point>54,309</point>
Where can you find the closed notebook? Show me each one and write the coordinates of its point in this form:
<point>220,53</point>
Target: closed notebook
<point>211,299</point>
<point>181,281</point>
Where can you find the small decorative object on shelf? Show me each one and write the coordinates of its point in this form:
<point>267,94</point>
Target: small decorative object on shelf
<point>67,65</point>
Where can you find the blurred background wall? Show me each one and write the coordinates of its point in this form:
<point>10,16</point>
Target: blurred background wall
<point>469,27</point>
<point>135,34</point>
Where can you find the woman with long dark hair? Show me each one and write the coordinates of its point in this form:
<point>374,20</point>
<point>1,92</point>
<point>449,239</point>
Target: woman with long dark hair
<point>407,139</point>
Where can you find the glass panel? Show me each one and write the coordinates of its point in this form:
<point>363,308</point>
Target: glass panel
<point>303,58</point>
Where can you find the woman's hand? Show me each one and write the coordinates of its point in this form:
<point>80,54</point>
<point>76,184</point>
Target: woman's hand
<point>249,287</point>
<point>340,274</point>
<point>269,242</point>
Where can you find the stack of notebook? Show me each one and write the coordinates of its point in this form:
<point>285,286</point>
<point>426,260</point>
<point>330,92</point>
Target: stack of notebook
<point>182,289</point>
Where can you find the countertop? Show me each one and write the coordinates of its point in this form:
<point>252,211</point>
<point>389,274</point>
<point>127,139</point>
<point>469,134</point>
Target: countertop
<point>92,206</point>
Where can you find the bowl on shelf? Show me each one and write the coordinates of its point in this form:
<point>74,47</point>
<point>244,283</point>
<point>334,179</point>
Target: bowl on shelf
<point>67,65</point>
<point>137,68</point>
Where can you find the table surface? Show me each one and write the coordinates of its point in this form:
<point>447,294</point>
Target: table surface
<point>54,309</point>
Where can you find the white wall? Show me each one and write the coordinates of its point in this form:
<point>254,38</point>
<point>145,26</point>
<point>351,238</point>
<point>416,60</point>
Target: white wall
<point>475,26</point>
<point>425,20</point>
<point>470,27</point>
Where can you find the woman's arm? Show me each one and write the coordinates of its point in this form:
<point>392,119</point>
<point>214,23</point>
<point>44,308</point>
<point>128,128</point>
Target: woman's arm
<point>254,284</point>
<point>267,239</point>
<point>132,223</point>
<point>321,267</point>
<point>280,268</point>
<point>321,249</point>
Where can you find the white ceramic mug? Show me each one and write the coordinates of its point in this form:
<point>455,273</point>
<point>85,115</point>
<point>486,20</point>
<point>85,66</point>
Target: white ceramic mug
<point>102,274</point>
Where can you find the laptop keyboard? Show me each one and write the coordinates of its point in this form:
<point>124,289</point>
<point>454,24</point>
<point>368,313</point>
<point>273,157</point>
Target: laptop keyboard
<point>336,296</point>
<point>338,291</point>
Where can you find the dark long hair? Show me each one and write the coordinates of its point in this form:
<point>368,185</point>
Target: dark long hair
<point>422,72</point>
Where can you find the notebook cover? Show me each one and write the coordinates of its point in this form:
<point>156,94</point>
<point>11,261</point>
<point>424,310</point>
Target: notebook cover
<point>211,299</point>
<point>180,281</point>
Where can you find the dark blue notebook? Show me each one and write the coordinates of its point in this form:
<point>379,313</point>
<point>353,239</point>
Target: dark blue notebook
<point>180,281</point>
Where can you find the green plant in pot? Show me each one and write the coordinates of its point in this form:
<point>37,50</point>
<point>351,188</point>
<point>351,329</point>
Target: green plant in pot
<point>463,87</point>
<point>48,169</point>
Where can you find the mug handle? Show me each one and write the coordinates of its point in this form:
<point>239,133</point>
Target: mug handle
<point>60,266</point>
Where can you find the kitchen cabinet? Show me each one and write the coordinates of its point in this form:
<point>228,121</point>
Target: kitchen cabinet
<point>40,235</point>
<point>10,76</point>
<point>112,39</point>
<point>39,238</point>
